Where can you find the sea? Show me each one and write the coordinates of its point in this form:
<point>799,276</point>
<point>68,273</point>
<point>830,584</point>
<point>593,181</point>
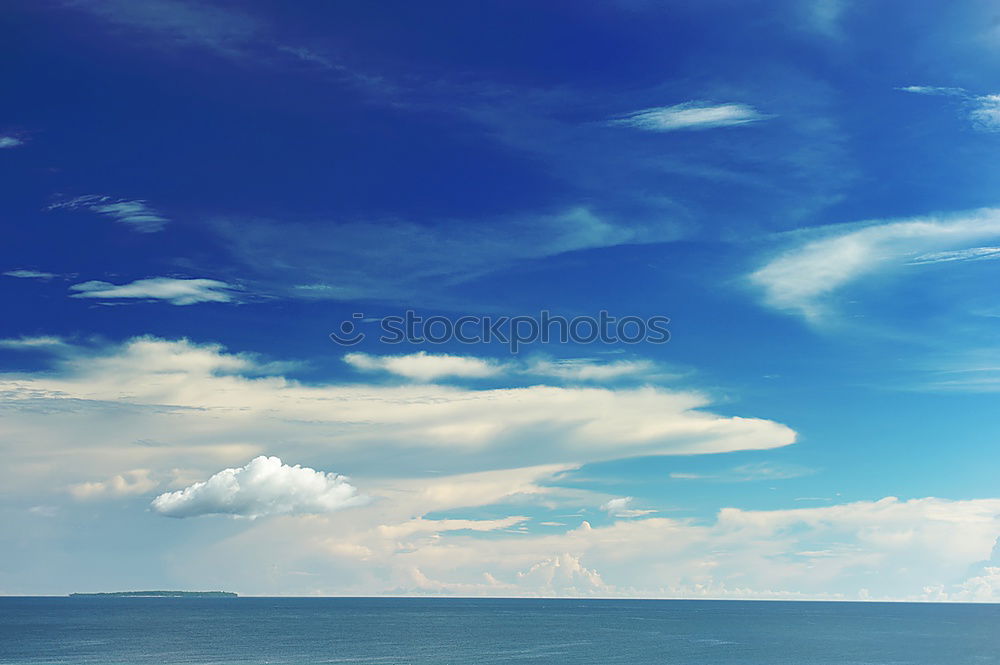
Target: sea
<point>418,631</point>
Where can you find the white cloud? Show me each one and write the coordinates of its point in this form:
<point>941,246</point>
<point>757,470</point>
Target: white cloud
<point>934,90</point>
<point>563,575</point>
<point>891,547</point>
<point>985,114</point>
<point>30,274</point>
<point>983,110</point>
<point>40,342</point>
<point>173,290</point>
<point>621,507</point>
<point>969,254</point>
<point>136,481</point>
<point>583,369</point>
<point>136,213</point>
<point>819,262</point>
<point>690,115</point>
<point>748,473</point>
<point>10,142</point>
<point>423,366</point>
<point>265,486</point>
<point>106,398</point>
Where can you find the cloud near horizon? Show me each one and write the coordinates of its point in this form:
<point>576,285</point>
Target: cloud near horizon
<point>265,486</point>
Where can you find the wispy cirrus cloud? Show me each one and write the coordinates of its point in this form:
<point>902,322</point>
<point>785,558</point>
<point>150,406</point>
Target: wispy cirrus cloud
<point>30,274</point>
<point>816,264</point>
<point>226,30</point>
<point>969,254</point>
<point>690,116</point>
<point>175,291</point>
<point>10,141</point>
<point>622,507</point>
<point>135,213</point>
<point>748,473</point>
<point>398,259</point>
<point>983,111</point>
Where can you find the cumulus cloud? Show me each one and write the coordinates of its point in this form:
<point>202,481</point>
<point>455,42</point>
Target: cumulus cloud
<point>30,274</point>
<point>173,290</point>
<point>818,263</point>
<point>563,575</point>
<point>690,115</point>
<point>265,486</point>
<point>10,142</point>
<point>424,366</point>
<point>136,481</point>
<point>135,213</point>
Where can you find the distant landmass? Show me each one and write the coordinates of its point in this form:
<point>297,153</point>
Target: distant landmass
<point>156,594</point>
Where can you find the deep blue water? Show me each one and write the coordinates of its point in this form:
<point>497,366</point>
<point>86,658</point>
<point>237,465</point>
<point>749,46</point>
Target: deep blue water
<point>435,631</point>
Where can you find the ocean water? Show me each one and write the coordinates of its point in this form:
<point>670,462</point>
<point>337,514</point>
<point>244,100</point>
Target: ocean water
<point>165,631</point>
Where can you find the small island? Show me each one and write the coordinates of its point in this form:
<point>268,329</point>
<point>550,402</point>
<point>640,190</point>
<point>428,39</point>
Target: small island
<point>156,594</point>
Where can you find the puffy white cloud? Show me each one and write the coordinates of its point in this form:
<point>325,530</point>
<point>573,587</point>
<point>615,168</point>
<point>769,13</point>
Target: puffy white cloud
<point>690,115</point>
<point>819,262</point>
<point>563,575</point>
<point>136,481</point>
<point>265,486</point>
<point>424,366</point>
<point>135,213</point>
<point>172,290</point>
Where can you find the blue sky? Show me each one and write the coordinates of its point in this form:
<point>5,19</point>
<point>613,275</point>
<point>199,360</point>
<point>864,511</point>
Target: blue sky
<point>199,193</point>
